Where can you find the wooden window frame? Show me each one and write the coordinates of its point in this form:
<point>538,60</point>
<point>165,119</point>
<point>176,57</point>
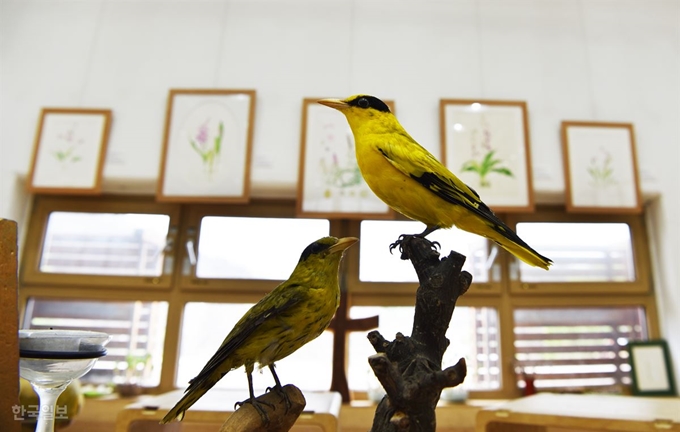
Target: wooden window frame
<point>43,206</point>
<point>190,232</point>
<point>645,301</point>
<point>178,289</point>
<point>641,284</point>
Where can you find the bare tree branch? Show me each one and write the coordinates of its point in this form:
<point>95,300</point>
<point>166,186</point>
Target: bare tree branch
<point>409,368</point>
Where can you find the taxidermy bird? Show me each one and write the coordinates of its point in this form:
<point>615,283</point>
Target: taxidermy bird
<point>294,313</point>
<point>411,181</point>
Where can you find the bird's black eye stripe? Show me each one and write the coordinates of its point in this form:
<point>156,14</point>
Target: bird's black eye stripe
<point>369,102</point>
<point>313,248</point>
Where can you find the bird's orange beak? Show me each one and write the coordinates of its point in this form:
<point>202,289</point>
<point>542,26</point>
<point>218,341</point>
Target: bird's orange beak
<point>334,103</point>
<point>343,244</point>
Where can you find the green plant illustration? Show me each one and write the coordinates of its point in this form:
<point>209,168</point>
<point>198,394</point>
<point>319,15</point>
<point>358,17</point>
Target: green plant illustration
<point>66,151</point>
<point>484,161</point>
<point>208,149</point>
<point>600,169</point>
<point>67,155</point>
<point>343,176</point>
<point>487,165</point>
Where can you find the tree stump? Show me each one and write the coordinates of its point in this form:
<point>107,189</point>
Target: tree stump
<point>409,368</point>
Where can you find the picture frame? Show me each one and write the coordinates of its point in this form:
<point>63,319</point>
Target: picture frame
<point>69,151</point>
<point>207,146</point>
<point>330,184</point>
<point>651,368</point>
<point>486,144</point>
<point>600,167</point>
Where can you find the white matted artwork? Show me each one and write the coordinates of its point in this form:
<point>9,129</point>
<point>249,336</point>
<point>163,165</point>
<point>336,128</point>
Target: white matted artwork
<point>600,167</point>
<point>69,151</point>
<point>486,144</point>
<point>651,368</point>
<point>329,181</point>
<point>207,146</point>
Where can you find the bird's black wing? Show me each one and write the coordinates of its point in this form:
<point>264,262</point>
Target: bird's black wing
<point>416,162</point>
<point>447,192</point>
<point>268,307</point>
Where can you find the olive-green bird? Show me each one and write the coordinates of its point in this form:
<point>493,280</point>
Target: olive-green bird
<point>294,313</point>
<point>410,180</point>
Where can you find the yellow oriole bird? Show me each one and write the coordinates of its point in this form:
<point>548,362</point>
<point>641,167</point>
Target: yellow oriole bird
<point>410,180</point>
<point>294,313</point>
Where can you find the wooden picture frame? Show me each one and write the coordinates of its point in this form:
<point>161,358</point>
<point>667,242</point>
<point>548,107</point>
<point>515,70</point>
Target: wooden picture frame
<point>330,184</point>
<point>486,144</point>
<point>600,167</point>
<point>69,151</point>
<point>207,146</point>
<point>651,368</point>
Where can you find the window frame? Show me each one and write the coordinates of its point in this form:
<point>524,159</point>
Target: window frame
<point>43,206</point>
<point>190,231</point>
<point>177,289</point>
<point>647,302</point>
<point>639,243</point>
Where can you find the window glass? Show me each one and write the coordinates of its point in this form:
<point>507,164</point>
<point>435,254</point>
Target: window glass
<point>137,329</point>
<point>204,327</point>
<point>576,348</point>
<point>254,248</point>
<point>473,333</point>
<point>378,265</point>
<point>581,252</point>
<point>105,243</point>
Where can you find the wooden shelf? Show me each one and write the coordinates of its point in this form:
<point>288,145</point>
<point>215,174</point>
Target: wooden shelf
<point>592,412</point>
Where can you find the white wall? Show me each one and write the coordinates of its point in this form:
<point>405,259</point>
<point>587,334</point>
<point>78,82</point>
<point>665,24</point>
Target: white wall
<point>580,60</point>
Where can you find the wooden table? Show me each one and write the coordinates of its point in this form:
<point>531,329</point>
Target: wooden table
<point>540,412</point>
<point>321,412</point>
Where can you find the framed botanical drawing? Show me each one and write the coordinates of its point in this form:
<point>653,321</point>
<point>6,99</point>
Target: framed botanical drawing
<point>486,144</point>
<point>651,368</point>
<point>207,146</point>
<point>329,181</point>
<point>69,151</point>
<point>600,167</point>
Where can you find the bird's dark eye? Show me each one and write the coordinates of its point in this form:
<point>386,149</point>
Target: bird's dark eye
<point>363,103</point>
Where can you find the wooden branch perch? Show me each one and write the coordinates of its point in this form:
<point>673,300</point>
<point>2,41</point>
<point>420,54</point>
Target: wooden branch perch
<point>409,368</point>
<point>281,418</point>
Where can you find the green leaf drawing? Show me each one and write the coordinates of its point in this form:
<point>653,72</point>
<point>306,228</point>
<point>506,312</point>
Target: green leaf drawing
<point>600,170</point>
<point>487,166</point>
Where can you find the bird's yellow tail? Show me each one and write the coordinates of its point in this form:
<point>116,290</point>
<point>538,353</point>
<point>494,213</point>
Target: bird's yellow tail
<point>525,253</point>
<point>189,398</point>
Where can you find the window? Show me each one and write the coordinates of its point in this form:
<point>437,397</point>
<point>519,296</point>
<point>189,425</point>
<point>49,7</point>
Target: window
<point>581,252</point>
<point>378,265</point>
<point>114,243</point>
<point>254,248</point>
<point>137,329</point>
<point>169,282</point>
<point>567,348</point>
<point>591,254</point>
<point>473,334</point>
<point>105,243</point>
